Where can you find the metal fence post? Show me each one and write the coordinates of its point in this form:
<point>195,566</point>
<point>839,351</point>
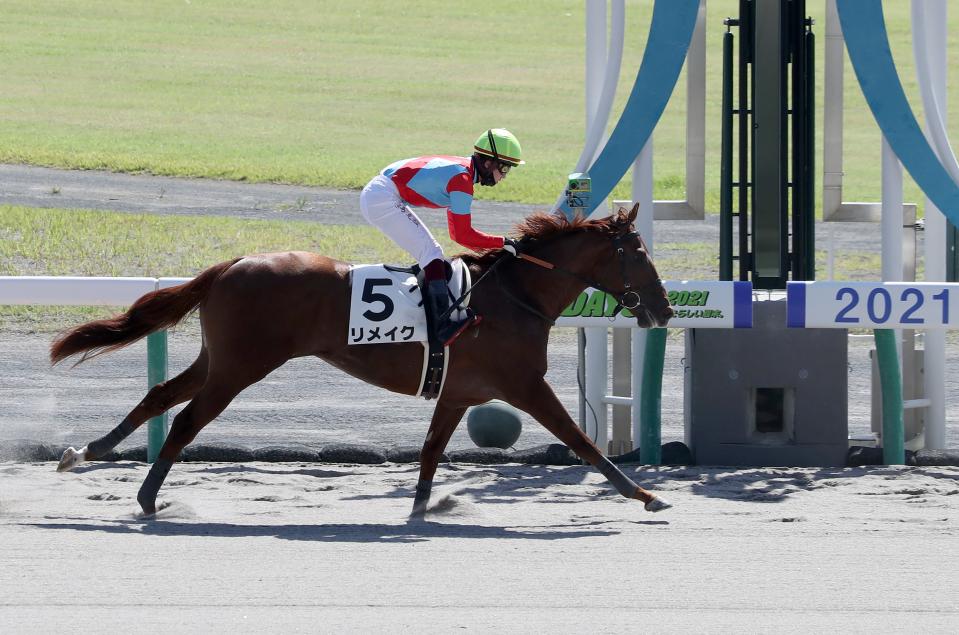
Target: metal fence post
<point>156,373</point>
<point>650,424</point>
<point>893,445</point>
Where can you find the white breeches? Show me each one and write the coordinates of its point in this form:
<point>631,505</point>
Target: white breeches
<point>382,207</point>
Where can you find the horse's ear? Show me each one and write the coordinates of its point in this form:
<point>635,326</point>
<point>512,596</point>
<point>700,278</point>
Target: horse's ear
<point>625,219</point>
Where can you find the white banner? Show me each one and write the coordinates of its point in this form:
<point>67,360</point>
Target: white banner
<point>871,305</point>
<point>697,303</point>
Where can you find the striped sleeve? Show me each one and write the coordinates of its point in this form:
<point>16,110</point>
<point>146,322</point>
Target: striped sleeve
<point>461,230</point>
<point>460,190</point>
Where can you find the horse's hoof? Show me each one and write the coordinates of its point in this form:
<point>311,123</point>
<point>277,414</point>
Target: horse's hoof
<point>148,506</point>
<point>71,458</point>
<point>657,505</point>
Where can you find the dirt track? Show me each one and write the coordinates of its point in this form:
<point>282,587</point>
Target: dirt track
<point>306,548</point>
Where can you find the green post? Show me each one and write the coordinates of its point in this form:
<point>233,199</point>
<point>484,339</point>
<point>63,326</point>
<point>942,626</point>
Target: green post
<point>650,404</point>
<point>156,373</point>
<point>893,445</point>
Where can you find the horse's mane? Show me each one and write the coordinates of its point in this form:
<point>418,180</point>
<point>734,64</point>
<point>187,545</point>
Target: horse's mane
<point>540,227</point>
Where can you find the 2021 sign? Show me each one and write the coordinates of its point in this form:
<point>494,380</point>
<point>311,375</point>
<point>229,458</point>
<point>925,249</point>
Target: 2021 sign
<point>909,305</point>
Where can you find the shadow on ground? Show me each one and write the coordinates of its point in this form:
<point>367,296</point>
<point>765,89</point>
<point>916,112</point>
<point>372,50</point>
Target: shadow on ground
<point>413,531</point>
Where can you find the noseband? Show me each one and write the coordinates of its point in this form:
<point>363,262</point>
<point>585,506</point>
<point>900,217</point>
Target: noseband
<point>628,299</point>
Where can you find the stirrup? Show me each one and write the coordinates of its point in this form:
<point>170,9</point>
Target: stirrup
<point>461,327</point>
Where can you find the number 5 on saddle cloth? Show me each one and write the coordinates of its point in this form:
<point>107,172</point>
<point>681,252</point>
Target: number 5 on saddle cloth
<point>386,307</point>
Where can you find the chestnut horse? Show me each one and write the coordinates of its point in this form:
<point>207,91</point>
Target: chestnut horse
<point>259,311</point>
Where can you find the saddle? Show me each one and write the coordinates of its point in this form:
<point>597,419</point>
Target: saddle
<point>386,306</point>
<point>458,277</point>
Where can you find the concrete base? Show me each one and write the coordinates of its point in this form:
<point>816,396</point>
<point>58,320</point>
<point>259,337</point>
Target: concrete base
<point>767,396</point>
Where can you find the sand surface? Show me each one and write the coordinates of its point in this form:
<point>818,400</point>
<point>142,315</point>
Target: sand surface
<point>328,548</point>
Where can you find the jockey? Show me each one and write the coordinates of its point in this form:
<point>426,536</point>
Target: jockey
<point>440,182</point>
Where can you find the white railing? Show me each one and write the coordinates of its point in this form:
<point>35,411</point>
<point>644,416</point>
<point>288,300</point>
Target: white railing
<point>78,290</point>
<point>89,291</point>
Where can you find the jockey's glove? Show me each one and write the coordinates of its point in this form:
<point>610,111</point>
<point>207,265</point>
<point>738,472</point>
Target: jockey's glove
<point>511,245</point>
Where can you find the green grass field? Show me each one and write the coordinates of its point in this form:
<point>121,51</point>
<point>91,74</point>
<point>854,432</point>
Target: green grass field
<point>54,242</point>
<point>327,93</point>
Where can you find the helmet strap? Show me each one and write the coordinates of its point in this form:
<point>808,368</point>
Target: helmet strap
<point>492,144</point>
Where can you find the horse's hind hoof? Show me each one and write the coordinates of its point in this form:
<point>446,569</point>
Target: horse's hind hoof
<point>71,458</point>
<point>657,504</point>
<point>418,513</point>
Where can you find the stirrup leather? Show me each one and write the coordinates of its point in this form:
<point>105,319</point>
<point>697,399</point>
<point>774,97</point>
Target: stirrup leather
<point>442,329</point>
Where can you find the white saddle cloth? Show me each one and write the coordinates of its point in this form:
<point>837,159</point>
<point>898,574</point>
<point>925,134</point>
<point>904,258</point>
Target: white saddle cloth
<point>386,306</point>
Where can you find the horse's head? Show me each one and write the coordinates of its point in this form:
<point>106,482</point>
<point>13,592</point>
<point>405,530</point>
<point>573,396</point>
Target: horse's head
<point>607,254</point>
<point>628,272</point>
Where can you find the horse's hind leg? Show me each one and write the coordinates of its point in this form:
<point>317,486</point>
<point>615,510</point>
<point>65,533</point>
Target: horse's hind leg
<point>541,403</point>
<point>158,400</point>
<point>212,399</point>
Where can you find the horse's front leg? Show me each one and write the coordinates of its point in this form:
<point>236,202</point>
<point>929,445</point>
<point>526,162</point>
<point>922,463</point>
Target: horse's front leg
<point>444,421</point>
<point>539,400</point>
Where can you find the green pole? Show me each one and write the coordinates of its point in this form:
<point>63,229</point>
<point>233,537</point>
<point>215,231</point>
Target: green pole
<point>650,403</point>
<point>893,445</point>
<point>156,373</point>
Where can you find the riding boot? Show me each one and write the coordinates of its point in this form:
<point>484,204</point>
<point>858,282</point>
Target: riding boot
<point>443,330</point>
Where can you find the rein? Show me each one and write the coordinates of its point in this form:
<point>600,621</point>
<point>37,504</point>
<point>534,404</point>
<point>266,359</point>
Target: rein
<point>458,301</point>
<point>628,299</point>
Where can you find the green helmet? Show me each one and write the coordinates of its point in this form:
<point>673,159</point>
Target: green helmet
<point>501,145</point>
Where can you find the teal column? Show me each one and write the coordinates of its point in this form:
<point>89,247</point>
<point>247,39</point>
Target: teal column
<point>867,42</point>
<point>670,32</point>
<point>156,373</point>
<point>650,403</point>
<point>893,445</point>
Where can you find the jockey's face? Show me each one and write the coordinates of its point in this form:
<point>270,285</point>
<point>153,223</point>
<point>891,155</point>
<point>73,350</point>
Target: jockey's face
<point>488,175</point>
<point>492,171</point>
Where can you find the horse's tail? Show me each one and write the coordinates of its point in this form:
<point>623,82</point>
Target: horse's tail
<point>154,311</point>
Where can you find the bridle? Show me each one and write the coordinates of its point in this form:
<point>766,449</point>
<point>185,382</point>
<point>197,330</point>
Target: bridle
<point>629,298</point>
